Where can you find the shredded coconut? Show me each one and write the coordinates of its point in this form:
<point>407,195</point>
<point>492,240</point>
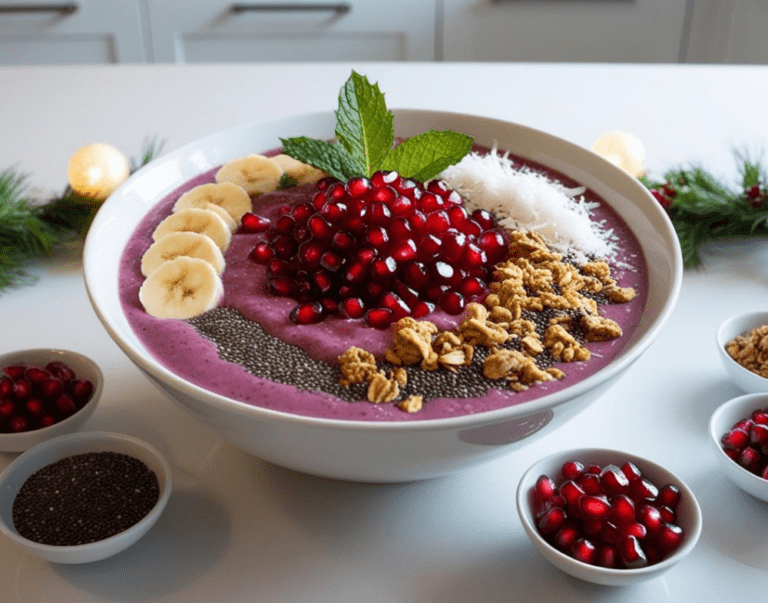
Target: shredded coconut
<point>523,198</point>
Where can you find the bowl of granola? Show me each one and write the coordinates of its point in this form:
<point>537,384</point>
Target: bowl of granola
<point>391,326</point>
<point>743,349</point>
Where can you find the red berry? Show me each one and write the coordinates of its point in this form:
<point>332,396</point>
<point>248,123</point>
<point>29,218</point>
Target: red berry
<point>583,550</point>
<point>551,521</point>
<point>379,318</point>
<point>262,253</point>
<point>572,470</point>
<point>15,371</point>
<point>352,307</point>
<point>669,496</point>
<point>307,313</point>
<point>632,554</point>
<point>252,223</point>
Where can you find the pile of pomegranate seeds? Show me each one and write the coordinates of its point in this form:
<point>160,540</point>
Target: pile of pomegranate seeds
<point>32,397</point>
<point>747,443</point>
<point>378,249</point>
<point>609,516</point>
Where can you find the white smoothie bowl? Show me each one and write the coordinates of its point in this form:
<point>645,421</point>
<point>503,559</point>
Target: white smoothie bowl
<point>380,451</point>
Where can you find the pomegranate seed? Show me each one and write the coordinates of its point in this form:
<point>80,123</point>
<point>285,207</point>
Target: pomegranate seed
<point>458,216</point>
<point>284,246</point>
<point>320,228</point>
<point>417,221</point>
<point>438,222</point>
<point>356,271</point>
<point>408,295</point>
<point>583,550</point>
<point>7,408</point>
<point>452,302</point>
<point>34,407</point>
<point>438,187</point>
<point>324,183</point>
<point>336,190</point>
<point>15,371</point>
<point>330,305</point>
<point>622,509</point>
<point>749,458</point>
<point>571,470</point>
<point>376,237</point>
<point>472,287</point>
<point>594,507</point>
<point>47,420</point>
<point>667,515</point>
<point>331,261</point>
<point>358,187</point>
<point>379,213</point>
<point>319,200</point>
<point>301,212</point>
<point>636,529</point>
<point>385,195</point>
<point>422,308</point>
<point>278,267</point>
<point>642,489</point>
<point>284,286</point>
<point>454,244</point>
<point>760,417</point>
<point>493,244</point>
<point>22,389</point>
<point>632,553</point>
<point>383,267</point>
<point>262,253</point>
<point>18,424</point>
<point>758,435</point>
<point>544,489</point>
<point>401,206</point>
<point>609,533</point>
<point>566,537</point>
<point>668,538</point>
<point>343,241</point>
<point>36,375</point>
<point>607,556</point>
<point>307,313</point>
<point>474,256</point>
<point>310,253</point>
<point>613,480</point>
<point>405,251</point>
<point>378,318</point>
<point>323,281</point>
<point>736,438</point>
<point>6,386</point>
<point>429,248</point>
<point>81,391</point>
<point>590,483</point>
<point>64,405</point>
<point>594,468</point>
<point>332,212</point>
<point>382,178</point>
<point>415,275</point>
<point>483,218</point>
<point>302,234</point>
<point>631,471</point>
<point>285,224</point>
<point>551,521</point>
<point>669,495</point>
<point>352,307</point>
<point>650,517</point>
<point>430,202</point>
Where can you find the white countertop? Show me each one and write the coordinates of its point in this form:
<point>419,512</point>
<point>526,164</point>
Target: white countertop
<point>239,529</point>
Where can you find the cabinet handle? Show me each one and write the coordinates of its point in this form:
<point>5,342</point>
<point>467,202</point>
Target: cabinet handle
<point>64,9</point>
<point>246,7</point>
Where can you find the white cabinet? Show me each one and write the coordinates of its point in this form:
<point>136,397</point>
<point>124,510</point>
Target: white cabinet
<point>643,31</point>
<point>197,31</point>
<point>35,32</point>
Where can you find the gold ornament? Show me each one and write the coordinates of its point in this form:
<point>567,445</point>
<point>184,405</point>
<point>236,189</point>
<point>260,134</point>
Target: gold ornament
<point>623,150</point>
<point>96,170</point>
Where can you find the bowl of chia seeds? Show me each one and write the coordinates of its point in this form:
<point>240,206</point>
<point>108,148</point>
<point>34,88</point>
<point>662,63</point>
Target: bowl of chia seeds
<point>274,387</point>
<point>83,497</point>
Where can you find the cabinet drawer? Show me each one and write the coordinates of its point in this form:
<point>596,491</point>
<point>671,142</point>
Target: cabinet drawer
<point>82,31</point>
<point>206,31</point>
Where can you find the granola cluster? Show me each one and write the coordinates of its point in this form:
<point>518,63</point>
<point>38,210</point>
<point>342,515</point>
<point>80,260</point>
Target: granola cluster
<point>534,281</point>
<point>750,350</point>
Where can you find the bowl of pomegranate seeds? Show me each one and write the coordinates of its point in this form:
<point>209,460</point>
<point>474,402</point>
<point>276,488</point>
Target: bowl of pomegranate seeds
<point>738,431</point>
<point>606,516</point>
<point>45,393</point>
<point>742,342</point>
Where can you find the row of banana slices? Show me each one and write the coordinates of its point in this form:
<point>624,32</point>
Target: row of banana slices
<point>183,266</point>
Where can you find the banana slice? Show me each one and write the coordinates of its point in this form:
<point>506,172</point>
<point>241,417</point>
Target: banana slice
<point>187,244</point>
<point>301,172</point>
<point>223,214</point>
<point>226,195</point>
<point>257,174</point>
<point>181,288</point>
<point>192,219</point>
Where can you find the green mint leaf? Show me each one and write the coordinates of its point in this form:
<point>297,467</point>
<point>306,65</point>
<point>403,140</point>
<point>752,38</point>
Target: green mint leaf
<point>286,181</point>
<point>332,158</point>
<point>363,124</point>
<point>426,155</point>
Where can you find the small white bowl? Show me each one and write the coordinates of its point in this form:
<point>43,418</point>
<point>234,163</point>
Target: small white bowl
<point>722,420</point>
<point>688,512</point>
<point>84,368</point>
<point>745,380</point>
<point>61,447</point>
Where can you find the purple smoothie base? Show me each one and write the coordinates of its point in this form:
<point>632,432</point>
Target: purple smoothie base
<point>177,346</point>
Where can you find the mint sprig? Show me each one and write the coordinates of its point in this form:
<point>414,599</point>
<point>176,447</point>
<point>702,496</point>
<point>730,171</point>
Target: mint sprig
<point>365,133</point>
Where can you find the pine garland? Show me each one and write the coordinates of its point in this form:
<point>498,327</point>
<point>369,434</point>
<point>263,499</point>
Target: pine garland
<point>704,209</point>
<point>30,231</point>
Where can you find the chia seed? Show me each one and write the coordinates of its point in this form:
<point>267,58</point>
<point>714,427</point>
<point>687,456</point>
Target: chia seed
<point>84,498</point>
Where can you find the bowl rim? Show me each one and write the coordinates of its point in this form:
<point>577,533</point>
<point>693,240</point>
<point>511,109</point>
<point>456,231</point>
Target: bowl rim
<point>75,443</point>
<point>622,180</point>
<point>63,425</point>
<point>718,428</point>
<point>587,455</point>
